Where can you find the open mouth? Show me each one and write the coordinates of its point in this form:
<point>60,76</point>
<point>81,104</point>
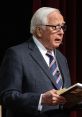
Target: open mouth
<point>58,40</point>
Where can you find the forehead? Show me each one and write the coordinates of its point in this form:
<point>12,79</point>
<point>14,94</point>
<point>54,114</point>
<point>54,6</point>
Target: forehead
<point>55,17</point>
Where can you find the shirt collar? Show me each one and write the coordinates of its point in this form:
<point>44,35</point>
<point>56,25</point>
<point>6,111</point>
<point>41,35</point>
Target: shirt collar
<point>40,46</point>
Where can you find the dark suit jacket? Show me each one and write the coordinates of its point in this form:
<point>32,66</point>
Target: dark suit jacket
<point>24,75</point>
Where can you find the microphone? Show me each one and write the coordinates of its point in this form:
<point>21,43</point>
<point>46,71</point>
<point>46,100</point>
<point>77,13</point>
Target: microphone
<point>61,43</point>
<point>58,72</point>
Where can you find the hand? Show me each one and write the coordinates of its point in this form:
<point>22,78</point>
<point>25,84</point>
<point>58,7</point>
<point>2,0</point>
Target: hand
<point>52,98</point>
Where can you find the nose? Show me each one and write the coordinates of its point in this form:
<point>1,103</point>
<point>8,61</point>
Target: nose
<point>62,31</point>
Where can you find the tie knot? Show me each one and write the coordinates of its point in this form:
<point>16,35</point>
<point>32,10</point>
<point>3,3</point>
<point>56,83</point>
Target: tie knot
<point>49,54</point>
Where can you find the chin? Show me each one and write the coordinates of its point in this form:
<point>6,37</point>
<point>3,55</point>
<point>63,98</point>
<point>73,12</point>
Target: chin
<point>57,45</point>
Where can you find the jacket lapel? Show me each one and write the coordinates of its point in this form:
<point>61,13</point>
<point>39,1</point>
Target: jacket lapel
<point>61,67</point>
<point>36,55</point>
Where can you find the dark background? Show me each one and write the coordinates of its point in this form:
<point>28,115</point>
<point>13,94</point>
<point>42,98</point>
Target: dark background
<point>15,23</point>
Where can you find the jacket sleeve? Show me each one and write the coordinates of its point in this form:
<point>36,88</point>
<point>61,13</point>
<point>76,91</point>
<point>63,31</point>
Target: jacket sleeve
<point>11,77</point>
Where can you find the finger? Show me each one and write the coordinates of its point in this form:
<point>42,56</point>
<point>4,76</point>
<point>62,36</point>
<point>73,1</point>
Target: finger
<point>59,100</point>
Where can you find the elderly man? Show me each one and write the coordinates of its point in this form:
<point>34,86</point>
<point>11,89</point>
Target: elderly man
<point>32,72</point>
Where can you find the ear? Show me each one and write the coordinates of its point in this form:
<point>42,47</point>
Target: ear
<point>38,31</point>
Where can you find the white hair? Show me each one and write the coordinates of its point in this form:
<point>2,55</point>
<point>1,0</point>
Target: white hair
<point>40,17</point>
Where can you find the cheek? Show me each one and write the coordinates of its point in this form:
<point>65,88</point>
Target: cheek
<point>52,38</point>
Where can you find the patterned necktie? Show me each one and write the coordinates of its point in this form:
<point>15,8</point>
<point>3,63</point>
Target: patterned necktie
<point>55,71</point>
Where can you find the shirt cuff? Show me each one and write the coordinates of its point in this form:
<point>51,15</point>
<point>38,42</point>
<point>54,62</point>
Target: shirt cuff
<point>39,105</point>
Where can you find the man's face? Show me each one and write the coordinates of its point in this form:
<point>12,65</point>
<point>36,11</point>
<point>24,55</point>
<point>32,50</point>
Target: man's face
<point>52,35</point>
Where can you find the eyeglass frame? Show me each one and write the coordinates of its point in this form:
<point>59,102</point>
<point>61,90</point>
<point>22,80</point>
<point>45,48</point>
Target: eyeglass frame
<point>63,27</point>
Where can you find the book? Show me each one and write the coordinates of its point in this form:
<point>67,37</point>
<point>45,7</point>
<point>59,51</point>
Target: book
<point>73,95</point>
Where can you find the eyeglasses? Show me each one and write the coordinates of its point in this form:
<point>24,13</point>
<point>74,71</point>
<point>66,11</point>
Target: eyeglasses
<point>57,27</point>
